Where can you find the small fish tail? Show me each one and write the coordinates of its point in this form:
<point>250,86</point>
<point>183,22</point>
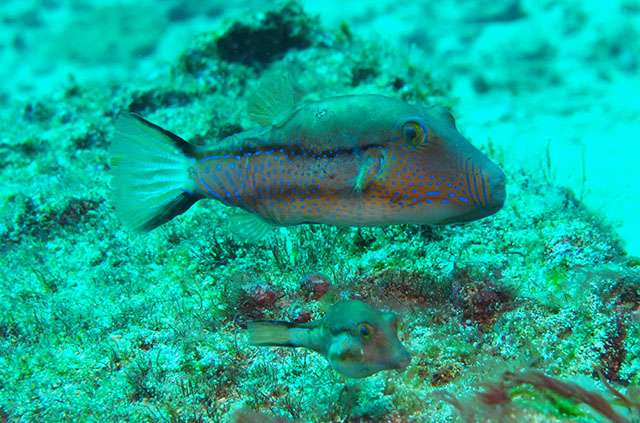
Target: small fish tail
<point>272,333</point>
<point>151,183</point>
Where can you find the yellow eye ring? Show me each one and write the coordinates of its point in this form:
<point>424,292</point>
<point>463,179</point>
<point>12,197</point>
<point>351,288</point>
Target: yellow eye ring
<point>413,133</point>
<point>365,330</point>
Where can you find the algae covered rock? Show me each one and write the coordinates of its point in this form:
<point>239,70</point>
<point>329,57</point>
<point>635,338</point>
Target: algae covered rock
<point>255,41</point>
<point>268,38</point>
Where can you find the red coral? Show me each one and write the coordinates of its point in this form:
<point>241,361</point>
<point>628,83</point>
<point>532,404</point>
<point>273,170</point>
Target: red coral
<point>615,352</point>
<point>480,302</point>
<point>302,317</point>
<point>75,212</point>
<point>316,285</point>
<point>263,295</point>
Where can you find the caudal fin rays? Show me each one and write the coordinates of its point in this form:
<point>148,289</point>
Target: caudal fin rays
<point>151,183</point>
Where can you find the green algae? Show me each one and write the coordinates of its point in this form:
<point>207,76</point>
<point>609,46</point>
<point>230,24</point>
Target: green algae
<point>101,325</point>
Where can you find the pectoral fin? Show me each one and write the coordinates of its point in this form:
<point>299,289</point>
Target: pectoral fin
<point>371,168</point>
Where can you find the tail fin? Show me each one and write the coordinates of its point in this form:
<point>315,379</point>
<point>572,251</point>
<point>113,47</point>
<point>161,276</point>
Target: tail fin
<point>151,183</point>
<point>271,333</point>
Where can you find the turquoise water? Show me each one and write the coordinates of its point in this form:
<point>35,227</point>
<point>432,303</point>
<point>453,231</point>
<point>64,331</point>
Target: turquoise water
<point>509,318</point>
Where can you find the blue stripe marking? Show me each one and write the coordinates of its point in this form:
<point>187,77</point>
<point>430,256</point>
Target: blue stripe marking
<point>208,158</point>
<point>433,193</point>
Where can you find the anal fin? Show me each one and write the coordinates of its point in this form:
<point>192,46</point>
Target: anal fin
<point>248,227</point>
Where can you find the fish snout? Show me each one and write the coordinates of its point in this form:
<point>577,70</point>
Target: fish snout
<point>497,186</point>
<point>401,358</point>
<point>486,185</point>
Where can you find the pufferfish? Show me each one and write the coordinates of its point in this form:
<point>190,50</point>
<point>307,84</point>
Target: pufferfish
<point>354,160</point>
<point>357,339</point>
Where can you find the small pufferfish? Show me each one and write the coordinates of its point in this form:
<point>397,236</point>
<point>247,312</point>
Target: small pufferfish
<point>355,160</point>
<point>357,339</point>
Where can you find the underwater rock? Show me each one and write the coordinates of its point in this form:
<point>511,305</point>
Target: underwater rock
<point>149,100</point>
<point>480,299</point>
<point>261,42</point>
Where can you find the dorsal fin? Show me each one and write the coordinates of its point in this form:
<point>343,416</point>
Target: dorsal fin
<point>273,102</point>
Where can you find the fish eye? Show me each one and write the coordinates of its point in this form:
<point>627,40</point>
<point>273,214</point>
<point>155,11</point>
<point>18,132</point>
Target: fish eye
<point>413,133</point>
<point>365,330</point>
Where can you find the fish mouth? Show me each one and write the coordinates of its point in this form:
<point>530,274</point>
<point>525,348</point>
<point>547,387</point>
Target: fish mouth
<point>401,359</point>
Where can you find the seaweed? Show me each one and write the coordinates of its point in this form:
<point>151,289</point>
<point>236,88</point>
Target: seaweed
<point>551,396</point>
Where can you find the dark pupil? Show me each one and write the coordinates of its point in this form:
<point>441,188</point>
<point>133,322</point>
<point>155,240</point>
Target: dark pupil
<point>410,133</point>
<point>364,330</point>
